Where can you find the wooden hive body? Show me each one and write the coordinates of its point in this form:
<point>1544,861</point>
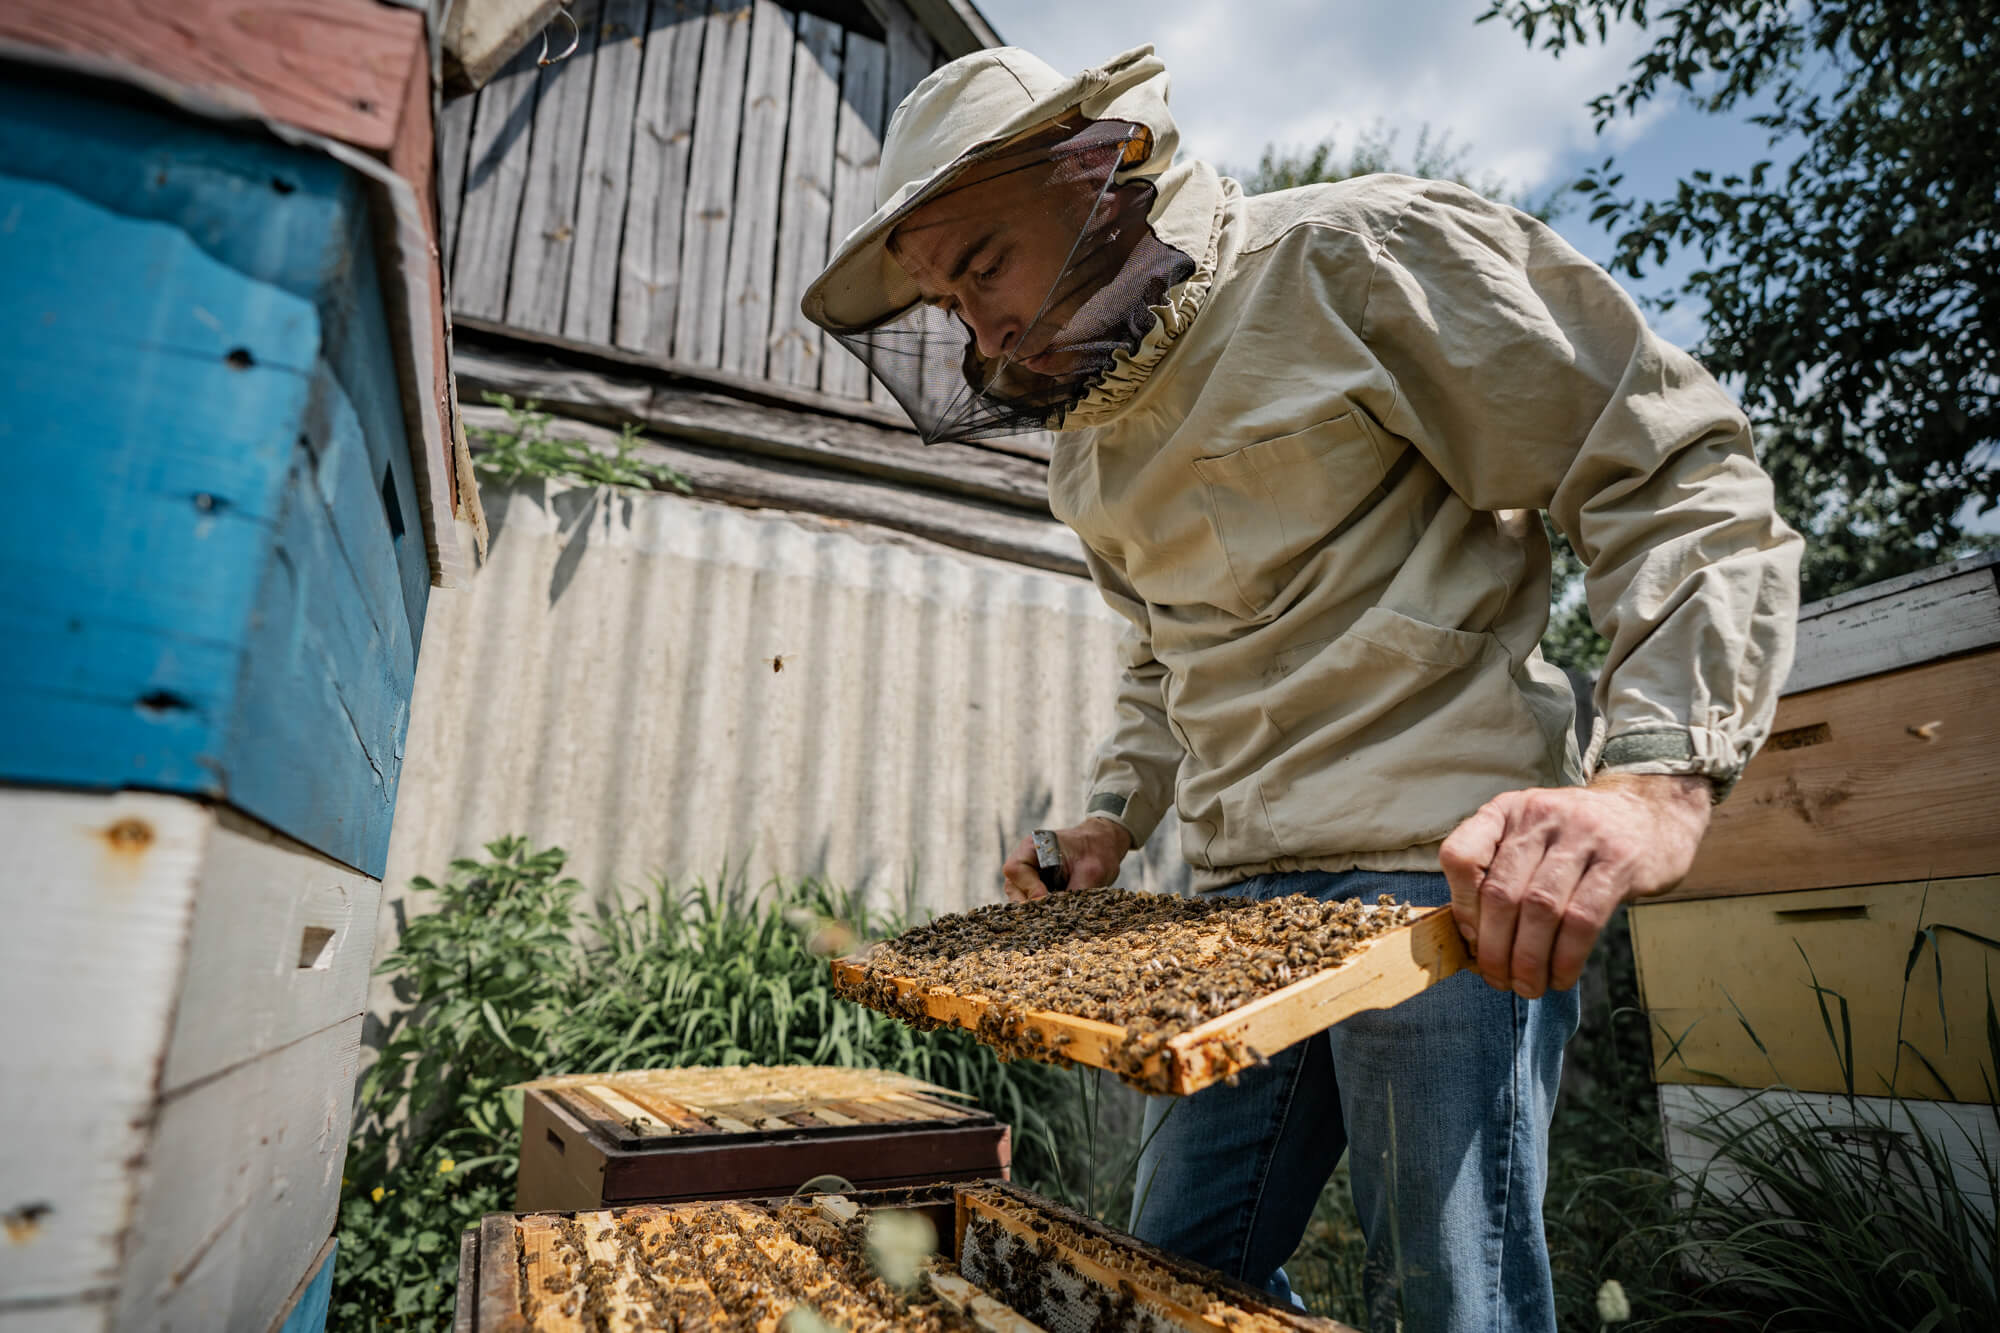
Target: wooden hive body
<point>1827,943</point>
<point>1007,1262</point>
<point>670,1135</point>
<point>214,587</point>
<point>221,585</point>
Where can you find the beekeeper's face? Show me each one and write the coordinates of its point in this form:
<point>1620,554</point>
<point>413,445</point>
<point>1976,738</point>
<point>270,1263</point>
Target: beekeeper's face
<point>1006,255</point>
<point>1022,257</point>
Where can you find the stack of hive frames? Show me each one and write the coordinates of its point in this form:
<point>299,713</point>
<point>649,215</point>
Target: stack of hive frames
<point>744,1131</point>
<point>1009,1262</point>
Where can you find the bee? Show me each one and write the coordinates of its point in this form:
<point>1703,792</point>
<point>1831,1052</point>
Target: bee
<point>778,662</point>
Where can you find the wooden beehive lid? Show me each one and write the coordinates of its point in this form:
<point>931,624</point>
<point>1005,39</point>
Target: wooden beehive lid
<point>1900,622</point>
<point>654,1104</point>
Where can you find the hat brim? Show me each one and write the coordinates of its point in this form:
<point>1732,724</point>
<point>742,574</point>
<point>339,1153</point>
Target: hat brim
<point>863,286</point>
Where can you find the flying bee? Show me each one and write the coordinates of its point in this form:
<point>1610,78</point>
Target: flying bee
<point>778,662</point>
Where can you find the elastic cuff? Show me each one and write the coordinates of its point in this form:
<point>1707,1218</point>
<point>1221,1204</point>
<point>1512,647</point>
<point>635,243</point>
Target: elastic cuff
<point>1671,752</point>
<point>1125,811</point>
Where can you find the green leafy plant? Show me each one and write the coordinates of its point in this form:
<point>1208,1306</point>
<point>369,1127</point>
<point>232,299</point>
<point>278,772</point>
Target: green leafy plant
<point>526,449</point>
<point>504,983</point>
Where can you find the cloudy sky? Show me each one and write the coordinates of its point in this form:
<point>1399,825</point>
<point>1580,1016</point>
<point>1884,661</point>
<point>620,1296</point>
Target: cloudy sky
<point>1247,73</point>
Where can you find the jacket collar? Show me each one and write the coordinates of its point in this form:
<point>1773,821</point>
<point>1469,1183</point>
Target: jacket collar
<point>1187,215</point>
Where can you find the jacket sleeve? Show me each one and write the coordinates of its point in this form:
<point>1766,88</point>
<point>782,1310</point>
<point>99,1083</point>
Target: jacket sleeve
<point>1529,379</point>
<point>1132,778</point>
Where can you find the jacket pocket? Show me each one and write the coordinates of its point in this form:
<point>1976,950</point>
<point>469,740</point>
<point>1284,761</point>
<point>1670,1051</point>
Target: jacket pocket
<point>1274,502</point>
<point>1382,660</point>
<point>1391,734</point>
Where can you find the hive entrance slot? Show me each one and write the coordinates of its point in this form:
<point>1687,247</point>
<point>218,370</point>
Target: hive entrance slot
<point>315,949</point>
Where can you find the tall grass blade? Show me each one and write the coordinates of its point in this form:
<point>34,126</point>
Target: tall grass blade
<point>1843,1044</point>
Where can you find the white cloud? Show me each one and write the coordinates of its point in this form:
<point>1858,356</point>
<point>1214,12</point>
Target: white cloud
<point>1252,72</point>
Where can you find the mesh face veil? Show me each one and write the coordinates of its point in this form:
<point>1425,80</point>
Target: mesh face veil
<point>1037,265</point>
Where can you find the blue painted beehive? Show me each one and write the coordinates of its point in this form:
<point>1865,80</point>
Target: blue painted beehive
<point>212,575</point>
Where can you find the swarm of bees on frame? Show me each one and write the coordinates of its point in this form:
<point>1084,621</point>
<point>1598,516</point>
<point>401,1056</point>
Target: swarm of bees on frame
<point>723,1267</point>
<point>1152,964</point>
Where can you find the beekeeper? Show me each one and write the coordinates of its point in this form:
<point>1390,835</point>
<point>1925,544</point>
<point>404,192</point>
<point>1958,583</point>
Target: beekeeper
<point>1306,439</point>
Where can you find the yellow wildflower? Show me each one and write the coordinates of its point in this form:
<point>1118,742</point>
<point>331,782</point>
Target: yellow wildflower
<point>376,1194</point>
<point>446,1166</point>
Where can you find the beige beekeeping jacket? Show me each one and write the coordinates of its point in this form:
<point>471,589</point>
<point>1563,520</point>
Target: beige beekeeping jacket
<point>1313,493</point>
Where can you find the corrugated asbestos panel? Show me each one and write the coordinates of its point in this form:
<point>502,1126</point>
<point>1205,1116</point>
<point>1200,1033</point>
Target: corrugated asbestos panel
<point>605,683</point>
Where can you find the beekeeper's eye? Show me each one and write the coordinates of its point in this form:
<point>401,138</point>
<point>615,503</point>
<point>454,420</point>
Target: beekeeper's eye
<point>992,270</point>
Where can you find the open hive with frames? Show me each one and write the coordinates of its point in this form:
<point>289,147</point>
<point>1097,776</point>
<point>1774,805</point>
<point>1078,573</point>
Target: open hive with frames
<point>987,1258</point>
<point>1171,994</point>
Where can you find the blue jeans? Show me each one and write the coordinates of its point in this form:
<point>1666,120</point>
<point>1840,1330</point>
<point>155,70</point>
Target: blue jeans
<point>1443,1103</point>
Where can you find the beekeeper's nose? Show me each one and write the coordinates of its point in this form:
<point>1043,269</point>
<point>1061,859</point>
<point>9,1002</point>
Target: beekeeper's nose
<point>995,329</point>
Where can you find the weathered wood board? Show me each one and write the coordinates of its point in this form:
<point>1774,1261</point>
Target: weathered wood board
<point>705,417</point>
<point>649,257</point>
<point>760,160</point>
<point>243,1188</point>
<point>911,57</point>
<point>454,145</point>
<point>719,474</point>
<point>1383,973</point>
<point>99,896</point>
<point>279,948</point>
<point>336,67</point>
<point>618,48</point>
<point>1713,973</point>
<point>805,209</point>
<point>175,1127</point>
<point>1889,778</point>
<point>496,175</point>
<point>1903,622</point>
<point>649,1104</point>
<point>546,225</point>
<point>864,80</point>
<point>232,572</point>
<point>708,220</point>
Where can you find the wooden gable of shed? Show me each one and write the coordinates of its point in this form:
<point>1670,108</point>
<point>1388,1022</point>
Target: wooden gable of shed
<point>670,188</point>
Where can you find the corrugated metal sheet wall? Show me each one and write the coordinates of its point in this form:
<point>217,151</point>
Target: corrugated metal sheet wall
<point>605,683</point>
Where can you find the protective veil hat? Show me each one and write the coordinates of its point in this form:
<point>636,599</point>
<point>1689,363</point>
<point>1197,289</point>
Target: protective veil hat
<point>978,101</point>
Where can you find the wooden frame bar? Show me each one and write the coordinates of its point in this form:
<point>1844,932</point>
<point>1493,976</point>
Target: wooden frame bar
<point>1383,973</point>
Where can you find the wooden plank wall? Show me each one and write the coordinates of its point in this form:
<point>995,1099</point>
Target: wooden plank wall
<point>672,187</point>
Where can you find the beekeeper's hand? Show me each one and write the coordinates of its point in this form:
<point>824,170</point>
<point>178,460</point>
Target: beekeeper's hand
<point>1536,874</point>
<point>1091,850</point>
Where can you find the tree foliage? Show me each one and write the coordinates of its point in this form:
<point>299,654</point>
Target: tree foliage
<point>1375,150</point>
<point>1852,281</point>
